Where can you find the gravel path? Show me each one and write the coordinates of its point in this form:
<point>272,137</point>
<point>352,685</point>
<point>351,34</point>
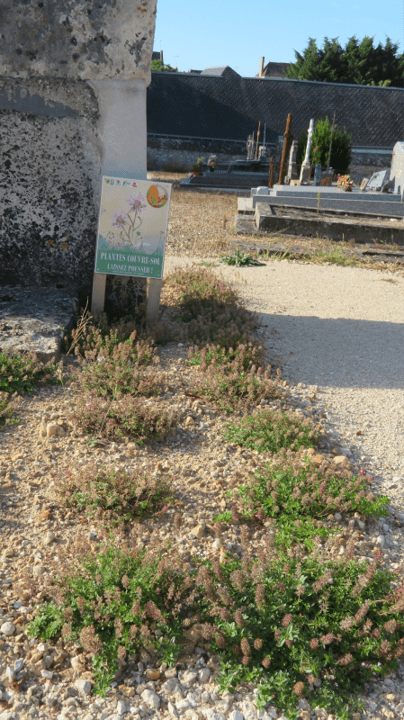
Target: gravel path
<point>342,330</point>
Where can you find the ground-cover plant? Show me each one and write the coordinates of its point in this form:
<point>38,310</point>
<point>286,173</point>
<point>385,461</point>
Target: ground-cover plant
<point>240,259</point>
<point>301,628</point>
<point>6,410</point>
<point>300,498</point>
<point>114,419</point>
<point>310,627</point>
<point>116,495</point>
<point>271,431</point>
<point>204,308</point>
<point>22,373</point>
<point>113,369</point>
<point>114,603</point>
<point>248,353</point>
<point>230,386</point>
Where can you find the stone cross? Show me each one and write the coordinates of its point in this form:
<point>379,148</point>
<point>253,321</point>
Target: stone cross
<point>305,169</point>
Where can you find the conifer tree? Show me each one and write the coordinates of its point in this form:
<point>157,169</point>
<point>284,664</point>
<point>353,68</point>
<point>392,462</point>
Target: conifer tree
<point>358,63</point>
<point>340,149</point>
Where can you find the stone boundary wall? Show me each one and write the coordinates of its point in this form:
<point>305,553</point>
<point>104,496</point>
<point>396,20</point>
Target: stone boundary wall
<point>177,154</point>
<point>230,106</point>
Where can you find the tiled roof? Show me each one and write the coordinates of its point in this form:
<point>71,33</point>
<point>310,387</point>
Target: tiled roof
<point>225,105</point>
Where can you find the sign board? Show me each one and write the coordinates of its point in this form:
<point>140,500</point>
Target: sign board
<point>132,227</point>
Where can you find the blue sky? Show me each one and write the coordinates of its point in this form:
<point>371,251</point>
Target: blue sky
<point>208,33</point>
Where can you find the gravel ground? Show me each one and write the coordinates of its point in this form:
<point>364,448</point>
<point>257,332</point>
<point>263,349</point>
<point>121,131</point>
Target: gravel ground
<point>324,330</point>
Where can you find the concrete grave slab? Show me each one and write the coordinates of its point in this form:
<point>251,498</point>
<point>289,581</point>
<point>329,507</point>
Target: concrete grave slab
<point>370,207</point>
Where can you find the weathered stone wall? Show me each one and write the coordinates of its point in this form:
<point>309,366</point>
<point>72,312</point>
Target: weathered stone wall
<point>49,182</point>
<point>73,79</point>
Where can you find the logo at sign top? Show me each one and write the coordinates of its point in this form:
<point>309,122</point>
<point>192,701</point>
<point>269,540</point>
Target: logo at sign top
<point>156,196</point>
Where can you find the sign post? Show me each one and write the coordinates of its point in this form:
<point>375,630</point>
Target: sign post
<point>131,238</point>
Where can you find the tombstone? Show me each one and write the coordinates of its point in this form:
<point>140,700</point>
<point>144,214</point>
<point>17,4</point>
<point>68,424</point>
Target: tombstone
<point>377,180</point>
<point>250,147</point>
<point>364,184</point>
<point>76,83</point>
<point>397,167</point>
<point>292,172</point>
<point>317,174</point>
<point>305,169</point>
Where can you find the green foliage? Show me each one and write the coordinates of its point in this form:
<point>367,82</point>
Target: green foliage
<point>282,622</point>
<point>22,373</point>
<point>358,63</point>
<point>232,387</point>
<point>205,307</point>
<point>272,431</point>
<point>284,488</point>
<point>113,367</point>
<point>240,259</point>
<point>157,65</point>
<point>285,623</point>
<point>340,149</point>
<point>112,604</point>
<point>115,419</point>
<point>223,354</point>
<point>118,495</point>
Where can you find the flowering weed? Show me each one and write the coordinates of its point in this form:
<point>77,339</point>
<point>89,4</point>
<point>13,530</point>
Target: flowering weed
<point>272,431</point>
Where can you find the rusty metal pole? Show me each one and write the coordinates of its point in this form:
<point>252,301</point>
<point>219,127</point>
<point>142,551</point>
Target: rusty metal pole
<point>286,148</point>
<point>271,173</point>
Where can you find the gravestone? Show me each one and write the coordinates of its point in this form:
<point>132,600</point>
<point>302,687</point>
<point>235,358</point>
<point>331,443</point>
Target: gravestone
<point>397,168</point>
<point>317,174</point>
<point>364,184</point>
<point>377,180</point>
<point>305,169</point>
<point>292,171</point>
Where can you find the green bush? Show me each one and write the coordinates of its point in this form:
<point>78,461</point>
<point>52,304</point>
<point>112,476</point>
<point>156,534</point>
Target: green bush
<point>340,150</point>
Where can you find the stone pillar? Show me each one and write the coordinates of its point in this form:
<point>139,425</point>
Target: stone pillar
<point>305,169</point>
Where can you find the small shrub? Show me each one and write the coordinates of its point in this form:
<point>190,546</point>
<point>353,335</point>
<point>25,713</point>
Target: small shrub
<point>117,495</point>
<point>116,419</point>
<point>222,354</point>
<point>22,373</point>
<point>270,432</point>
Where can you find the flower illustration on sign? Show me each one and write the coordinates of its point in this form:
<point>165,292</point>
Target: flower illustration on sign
<point>129,222</point>
<point>156,196</point>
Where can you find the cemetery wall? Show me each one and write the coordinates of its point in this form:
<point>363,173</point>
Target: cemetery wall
<point>65,69</point>
<point>228,106</point>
